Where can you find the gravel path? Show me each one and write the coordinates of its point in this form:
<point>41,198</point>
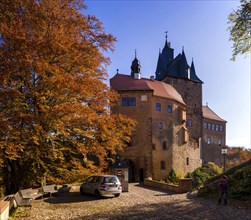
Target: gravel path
<point>139,203</point>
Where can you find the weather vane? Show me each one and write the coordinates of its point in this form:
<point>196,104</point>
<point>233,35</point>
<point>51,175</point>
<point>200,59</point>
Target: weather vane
<point>166,33</point>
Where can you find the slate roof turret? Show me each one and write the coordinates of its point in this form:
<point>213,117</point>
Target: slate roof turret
<point>176,67</point>
<point>183,67</point>
<point>135,67</point>
<point>193,75</point>
<point>164,60</point>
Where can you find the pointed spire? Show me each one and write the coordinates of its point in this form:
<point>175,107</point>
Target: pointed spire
<point>167,44</point>
<point>192,65</point>
<point>164,60</point>
<point>194,77</point>
<point>184,67</point>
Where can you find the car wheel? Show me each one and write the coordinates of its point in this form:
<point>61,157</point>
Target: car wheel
<point>82,191</point>
<point>97,193</point>
<point>117,194</point>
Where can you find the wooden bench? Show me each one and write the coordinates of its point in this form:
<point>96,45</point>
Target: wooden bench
<point>49,189</point>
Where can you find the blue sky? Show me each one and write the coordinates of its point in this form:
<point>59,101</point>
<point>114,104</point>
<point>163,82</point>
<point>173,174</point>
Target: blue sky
<point>199,26</point>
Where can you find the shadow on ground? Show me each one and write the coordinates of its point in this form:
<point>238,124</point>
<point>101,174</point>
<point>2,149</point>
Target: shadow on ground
<point>191,207</point>
<point>71,197</point>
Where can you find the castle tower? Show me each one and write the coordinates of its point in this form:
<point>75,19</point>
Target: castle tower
<point>183,78</point>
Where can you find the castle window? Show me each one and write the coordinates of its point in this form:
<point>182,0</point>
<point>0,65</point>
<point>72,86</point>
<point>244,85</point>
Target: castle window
<point>209,126</point>
<point>160,125</point>
<point>162,165</point>
<point>187,160</point>
<point>209,140</point>
<point>205,125</point>
<point>153,146</point>
<point>164,146</point>
<point>132,101</point>
<point>124,101</point>
<point>213,127</point>
<point>219,141</point>
<point>158,107</point>
<point>128,101</point>
<point>169,109</point>
<point>221,128</point>
<point>189,123</point>
<point>217,127</point>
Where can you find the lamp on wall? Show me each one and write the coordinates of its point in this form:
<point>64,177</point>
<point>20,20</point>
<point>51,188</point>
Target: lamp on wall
<point>224,153</point>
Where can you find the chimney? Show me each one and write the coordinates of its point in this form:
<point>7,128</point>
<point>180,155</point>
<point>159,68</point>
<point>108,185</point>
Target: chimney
<point>152,78</point>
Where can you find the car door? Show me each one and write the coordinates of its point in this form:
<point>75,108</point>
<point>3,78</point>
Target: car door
<point>88,185</point>
<point>96,184</point>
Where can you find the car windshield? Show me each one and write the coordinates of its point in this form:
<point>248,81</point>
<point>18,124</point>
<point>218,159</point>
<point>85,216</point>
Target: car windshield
<point>110,179</point>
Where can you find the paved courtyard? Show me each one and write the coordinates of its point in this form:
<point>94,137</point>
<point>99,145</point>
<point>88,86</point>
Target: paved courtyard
<point>139,203</point>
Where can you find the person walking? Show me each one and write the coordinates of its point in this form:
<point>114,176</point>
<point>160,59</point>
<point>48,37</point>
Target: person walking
<point>223,189</point>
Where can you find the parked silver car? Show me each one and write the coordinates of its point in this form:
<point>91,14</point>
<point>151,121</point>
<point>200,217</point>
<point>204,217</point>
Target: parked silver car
<point>102,185</point>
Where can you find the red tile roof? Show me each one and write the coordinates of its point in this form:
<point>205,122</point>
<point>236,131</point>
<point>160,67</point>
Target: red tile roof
<point>125,82</point>
<point>210,114</point>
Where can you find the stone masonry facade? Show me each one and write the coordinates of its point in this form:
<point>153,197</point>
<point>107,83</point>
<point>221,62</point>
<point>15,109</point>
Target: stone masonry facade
<point>174,130</point>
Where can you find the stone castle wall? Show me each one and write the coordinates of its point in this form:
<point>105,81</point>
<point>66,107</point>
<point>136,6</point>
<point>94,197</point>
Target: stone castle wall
<point>191,93</point>
<point>139,151</point>
<point>153,129</point>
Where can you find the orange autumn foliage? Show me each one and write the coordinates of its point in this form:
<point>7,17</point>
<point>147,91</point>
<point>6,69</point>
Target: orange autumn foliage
<point>55,121</point>
<point>237,156</point>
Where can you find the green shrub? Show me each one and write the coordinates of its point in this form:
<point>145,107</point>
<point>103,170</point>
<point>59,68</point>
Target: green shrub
<point>172,177</point>
<point>240,184</point>
<point>201,174</point>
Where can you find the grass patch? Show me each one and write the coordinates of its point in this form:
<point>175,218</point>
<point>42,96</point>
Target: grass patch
<point>20,213</point>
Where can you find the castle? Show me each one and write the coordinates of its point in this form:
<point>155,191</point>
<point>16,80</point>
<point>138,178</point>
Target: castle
<point>174,130</point>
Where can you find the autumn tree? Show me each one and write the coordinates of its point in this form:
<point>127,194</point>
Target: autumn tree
<point>55,121</point>
<point>237,156</point>
<point>240,29</point>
